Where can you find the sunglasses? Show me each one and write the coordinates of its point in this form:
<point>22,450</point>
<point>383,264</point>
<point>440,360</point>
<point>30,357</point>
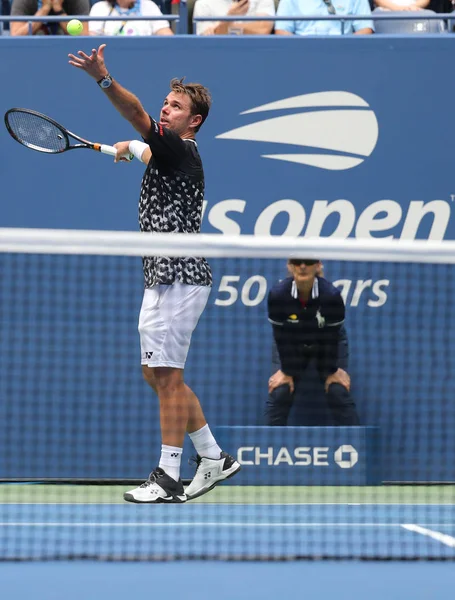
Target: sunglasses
<point>306,261</point>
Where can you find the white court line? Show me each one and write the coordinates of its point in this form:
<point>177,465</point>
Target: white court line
<point>201,524</point>
<point>444,538</point>
<point>227,504</point>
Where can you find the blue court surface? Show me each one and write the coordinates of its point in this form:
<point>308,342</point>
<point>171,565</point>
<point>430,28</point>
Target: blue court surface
<point>80,543</point>
<point>323,580</point>
<point>232,532</point>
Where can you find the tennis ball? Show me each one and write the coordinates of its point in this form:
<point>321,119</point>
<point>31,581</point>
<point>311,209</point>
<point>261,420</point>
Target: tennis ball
<point>74,27</point>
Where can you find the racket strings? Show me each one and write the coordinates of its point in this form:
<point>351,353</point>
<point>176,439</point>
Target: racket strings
<point>37,132</point>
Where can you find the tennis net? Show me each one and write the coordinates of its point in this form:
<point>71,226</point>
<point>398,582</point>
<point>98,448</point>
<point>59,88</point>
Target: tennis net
<point>79,426</point>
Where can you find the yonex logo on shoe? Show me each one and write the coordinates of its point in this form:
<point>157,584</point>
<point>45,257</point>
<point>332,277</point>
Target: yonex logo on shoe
<point>208,475</point>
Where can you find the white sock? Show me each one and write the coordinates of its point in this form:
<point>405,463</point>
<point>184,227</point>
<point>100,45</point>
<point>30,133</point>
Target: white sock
<point>205,443</point>
<point>170,461</point>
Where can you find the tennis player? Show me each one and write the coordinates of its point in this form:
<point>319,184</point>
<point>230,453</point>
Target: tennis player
<point>307,313</point>
<point>176,289</point>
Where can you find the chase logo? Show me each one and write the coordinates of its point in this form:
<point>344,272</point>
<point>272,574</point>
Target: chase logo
<point>336,130</point>
<point>346,457</point>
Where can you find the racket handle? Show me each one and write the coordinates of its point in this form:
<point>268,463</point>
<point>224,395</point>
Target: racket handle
<point>107,149</point>
<point>111,151</point>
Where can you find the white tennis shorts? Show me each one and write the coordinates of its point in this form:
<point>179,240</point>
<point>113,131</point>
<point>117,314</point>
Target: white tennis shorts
<point>168,317</point>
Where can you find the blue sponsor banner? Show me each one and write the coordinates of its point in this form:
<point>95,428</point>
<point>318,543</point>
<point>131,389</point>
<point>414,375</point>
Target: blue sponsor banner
<point>304,455</point>
<point>307,137</point>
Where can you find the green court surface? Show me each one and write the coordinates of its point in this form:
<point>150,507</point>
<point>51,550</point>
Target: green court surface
<point>229,494</point>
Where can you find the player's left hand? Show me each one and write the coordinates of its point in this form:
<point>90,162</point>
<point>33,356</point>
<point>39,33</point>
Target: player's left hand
<point>340,376</point>
<point>123,152</point>
<point>94,64</point>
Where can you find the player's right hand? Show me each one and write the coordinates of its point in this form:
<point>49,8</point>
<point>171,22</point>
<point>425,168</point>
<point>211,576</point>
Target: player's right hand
<point>93,65</point>
<point>123,152</point>
<point>280,378</point>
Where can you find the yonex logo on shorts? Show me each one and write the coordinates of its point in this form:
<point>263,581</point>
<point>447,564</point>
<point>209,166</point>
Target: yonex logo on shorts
<point>147,355</point>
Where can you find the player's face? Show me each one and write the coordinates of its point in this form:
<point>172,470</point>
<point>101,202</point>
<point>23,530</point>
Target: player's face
<point>176,114</point>
<point>303,272</point>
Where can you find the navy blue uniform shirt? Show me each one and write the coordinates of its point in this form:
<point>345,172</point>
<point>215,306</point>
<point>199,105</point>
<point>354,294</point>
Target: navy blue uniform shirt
<point>303,331</point>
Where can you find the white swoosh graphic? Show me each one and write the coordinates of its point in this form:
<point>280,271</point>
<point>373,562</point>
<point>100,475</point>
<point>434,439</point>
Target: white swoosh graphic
<point>352,131</point>
<point>309,100</point>
<point>323,161</point>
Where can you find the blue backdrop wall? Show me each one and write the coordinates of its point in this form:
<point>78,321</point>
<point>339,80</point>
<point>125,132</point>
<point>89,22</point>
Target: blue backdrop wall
<point>333,137</point>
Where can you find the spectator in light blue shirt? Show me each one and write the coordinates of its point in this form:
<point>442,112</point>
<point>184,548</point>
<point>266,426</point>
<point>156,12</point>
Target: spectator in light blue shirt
<point>288,8</point>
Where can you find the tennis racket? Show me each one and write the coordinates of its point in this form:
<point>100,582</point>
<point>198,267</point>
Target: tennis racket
<point>41,133</point>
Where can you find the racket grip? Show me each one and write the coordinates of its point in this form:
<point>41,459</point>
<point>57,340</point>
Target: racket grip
<point>112,151</point>
<point>108,150</point>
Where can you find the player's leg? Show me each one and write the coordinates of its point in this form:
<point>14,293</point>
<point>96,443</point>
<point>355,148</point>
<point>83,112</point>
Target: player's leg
<point>212,464</point>
<point>167,319</point>
<point>164,483</point>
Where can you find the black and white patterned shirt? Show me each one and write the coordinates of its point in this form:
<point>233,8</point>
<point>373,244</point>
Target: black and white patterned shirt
<point>172,192</point>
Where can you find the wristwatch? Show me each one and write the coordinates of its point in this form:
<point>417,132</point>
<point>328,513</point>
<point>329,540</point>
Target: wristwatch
<point>105,82</point>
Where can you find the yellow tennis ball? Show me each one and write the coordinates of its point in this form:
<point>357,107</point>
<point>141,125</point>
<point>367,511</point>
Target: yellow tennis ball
<point>75,27</point>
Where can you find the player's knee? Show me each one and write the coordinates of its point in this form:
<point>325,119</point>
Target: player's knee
<point>149,377</point>
<point>167,379</point>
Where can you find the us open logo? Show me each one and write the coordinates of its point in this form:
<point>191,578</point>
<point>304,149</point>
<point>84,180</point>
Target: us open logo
<point>338,130</point>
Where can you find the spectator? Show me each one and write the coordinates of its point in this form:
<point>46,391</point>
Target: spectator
<point>285,392</point>
<point>5,10</point>
<point>401,5</point>
<point>128,8</point>
<point>288,8</point>
<point>306,312</point>
<point>44,8</point>
<point>220,8</point>
<point>441,6</point>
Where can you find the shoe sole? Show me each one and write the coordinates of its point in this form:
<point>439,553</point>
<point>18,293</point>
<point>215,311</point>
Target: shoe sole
<point>203,491</point>
<point>175,500</point>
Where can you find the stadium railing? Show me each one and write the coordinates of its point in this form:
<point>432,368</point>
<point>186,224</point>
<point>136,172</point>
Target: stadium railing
<point>182,19</point>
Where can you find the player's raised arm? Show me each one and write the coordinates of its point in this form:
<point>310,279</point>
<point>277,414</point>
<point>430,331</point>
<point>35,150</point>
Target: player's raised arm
<point>127,104</point>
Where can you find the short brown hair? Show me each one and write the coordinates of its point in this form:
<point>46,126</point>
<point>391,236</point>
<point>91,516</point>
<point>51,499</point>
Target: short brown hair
<point>199,95</point>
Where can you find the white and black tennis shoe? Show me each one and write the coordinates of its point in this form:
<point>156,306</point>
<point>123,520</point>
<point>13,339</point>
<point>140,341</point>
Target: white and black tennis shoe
<point>159,488</point>
<point>210,472</point>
